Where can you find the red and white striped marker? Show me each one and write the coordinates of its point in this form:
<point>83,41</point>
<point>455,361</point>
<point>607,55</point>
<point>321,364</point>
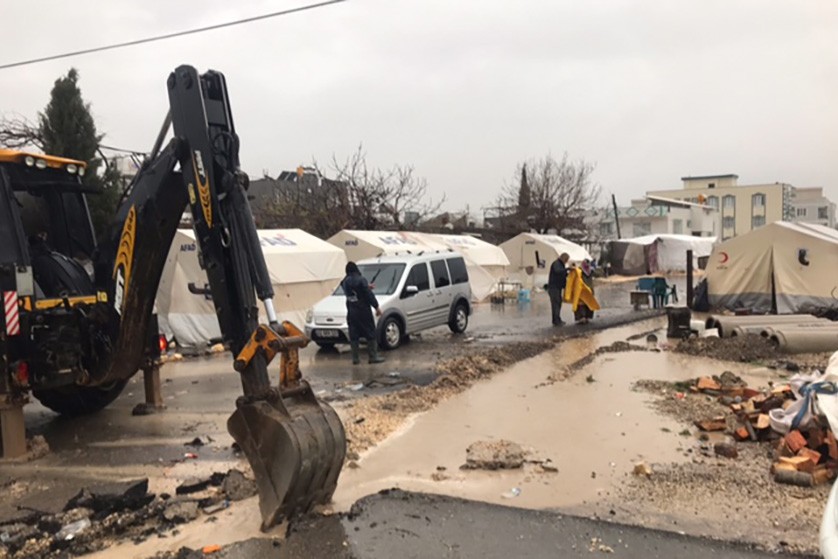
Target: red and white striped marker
<point>12,313</point>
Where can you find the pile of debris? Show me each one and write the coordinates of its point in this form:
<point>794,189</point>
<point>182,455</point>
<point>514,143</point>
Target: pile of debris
<point>806,456</point>
<point>99,515</point>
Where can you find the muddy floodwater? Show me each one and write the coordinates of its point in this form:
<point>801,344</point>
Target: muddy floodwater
<point>592,427</point>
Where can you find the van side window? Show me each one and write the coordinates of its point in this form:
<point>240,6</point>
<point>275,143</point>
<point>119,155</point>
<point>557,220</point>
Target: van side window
<point>418,276</point>
<point>459,274</point>
<point>440,271</point>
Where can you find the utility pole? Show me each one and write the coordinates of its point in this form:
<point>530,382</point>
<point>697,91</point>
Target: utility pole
<point>616,216</point>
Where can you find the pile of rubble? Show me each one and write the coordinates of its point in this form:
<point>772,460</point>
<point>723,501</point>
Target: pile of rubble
<point>99,515</point>
<point>805,456</point>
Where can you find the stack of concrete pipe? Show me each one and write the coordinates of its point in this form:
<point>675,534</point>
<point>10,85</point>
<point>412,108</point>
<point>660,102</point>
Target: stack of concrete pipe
<point>794,333</point>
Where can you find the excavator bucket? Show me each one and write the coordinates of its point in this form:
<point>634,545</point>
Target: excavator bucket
<point>296,446</point>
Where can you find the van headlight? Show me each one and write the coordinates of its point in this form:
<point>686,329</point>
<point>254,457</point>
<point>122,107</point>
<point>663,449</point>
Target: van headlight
<point>310,316</point>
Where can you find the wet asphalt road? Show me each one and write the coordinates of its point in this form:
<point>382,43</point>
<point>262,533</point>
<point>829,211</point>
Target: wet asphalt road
<point>421,526</point>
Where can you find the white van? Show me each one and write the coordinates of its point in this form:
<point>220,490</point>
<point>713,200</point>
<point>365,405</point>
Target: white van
<point>415,292</point>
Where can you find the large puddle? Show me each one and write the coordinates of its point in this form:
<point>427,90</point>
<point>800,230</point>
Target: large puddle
<point>594,432</point>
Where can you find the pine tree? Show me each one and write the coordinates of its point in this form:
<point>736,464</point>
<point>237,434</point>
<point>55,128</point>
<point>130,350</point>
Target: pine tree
<point>524,194</point>
<point>68,130</point>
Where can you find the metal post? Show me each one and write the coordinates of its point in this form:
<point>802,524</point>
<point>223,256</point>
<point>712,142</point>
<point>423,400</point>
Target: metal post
<point>616,216</point>
<point>12,430</point>
<point>151,382</point>
<point>690,291</point>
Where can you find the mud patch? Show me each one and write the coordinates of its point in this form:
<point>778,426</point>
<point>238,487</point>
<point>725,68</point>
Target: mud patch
<point>370,420</point>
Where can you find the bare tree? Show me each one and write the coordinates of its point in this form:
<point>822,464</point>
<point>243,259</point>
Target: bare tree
<point>560,192</point>
<point>18,132</point>
<point>358,197</point>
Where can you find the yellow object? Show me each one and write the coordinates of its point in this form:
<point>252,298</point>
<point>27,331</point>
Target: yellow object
<point>52,161</point>
<point>576,290</point>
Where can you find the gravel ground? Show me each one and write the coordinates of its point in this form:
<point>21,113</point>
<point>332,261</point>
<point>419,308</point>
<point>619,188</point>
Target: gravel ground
<point>751,349</point>
<point>732,499</point>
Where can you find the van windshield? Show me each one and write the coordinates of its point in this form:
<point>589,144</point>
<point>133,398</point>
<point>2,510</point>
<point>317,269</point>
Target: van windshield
<point>383,278</point>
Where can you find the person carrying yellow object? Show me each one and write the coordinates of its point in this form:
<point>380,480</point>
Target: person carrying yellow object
<point>580,292</point>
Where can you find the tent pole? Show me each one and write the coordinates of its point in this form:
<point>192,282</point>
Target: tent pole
<point>690,291</point>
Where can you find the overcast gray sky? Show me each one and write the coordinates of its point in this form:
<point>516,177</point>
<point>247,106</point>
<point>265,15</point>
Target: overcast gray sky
<point>648,90</point>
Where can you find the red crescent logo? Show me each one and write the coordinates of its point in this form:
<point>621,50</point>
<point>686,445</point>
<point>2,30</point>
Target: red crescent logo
<point>725,257</point>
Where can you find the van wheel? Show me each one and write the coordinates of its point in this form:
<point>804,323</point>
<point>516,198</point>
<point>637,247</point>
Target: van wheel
<point>459,319</point>
<point>73,400</point>
<point>391,333</point>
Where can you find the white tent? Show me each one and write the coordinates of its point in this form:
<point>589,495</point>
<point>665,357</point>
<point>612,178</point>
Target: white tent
<point>787,267</point>
<point>486,263</point>
<point>303,270</point>
<point>531,254</point>
<point>653,254</point>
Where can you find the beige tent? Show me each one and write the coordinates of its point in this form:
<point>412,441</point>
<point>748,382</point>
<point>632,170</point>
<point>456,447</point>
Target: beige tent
<point>782,267</point>
<point>531,254</point>
<point>486,263</point>
<point>303,270</point>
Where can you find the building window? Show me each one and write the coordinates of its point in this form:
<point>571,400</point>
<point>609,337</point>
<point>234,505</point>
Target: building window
<point>728,222</point>
<point>711,185</point>
<point>758,201</point>
<point>729,202</point>
<point>801,212</point>
<point>823,212</point>
<point>713,201</point>
<point>757,221</point>
<point>606,228</point>
<point>642,228</point>
<point>678,226</point>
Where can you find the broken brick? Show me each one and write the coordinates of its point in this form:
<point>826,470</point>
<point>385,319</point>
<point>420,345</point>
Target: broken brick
<point>715,424</point>
<point>707,383</point>
<point>763,421</point>
<point>832,444</point>
<point>795,441</point>
<point>800,463</point>
<point>813,455</point>
<point>741,434</point>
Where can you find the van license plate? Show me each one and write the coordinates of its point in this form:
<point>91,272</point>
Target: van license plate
<point>328,333</point>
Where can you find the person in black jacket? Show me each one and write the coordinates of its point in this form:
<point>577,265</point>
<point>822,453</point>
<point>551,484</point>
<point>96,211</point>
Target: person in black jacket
<point>360,300</point>
<point>556,282</point>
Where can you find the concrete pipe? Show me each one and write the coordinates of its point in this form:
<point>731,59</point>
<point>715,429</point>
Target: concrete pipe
<point>726,324</point>
<point>805,341</point>
<point>760,329</point>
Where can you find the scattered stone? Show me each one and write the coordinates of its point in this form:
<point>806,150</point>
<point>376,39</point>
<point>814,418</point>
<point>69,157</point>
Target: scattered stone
<point>237,487</point>
<point>727,450</point>
<point>143,408</point>
<point>353,465</point>
<point>642,469</point>
<point>439,476</point>
<point>199,441</point>
<point>113,497</point>
<point>217,507</point>
<point>179,512</point>
<point>192,485</point>
<point>494,455</point>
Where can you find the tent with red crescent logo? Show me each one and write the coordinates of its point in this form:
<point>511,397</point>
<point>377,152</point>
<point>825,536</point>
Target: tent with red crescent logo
<point>780,267</point>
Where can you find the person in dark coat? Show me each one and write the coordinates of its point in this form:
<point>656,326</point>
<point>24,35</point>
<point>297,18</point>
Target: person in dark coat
<point>556,282</point>
<point>360,300</point>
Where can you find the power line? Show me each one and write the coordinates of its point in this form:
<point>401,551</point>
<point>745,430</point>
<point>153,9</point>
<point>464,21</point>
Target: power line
<point>170,35</point>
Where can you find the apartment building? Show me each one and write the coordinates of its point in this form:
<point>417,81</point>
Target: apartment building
<point>809,205</point>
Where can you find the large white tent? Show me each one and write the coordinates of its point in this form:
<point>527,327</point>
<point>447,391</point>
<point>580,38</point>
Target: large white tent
<point>486,262</point>
<point>531,254</point>
<point>653,254</point>
<point>303,270</point>
<point>787,267</point>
